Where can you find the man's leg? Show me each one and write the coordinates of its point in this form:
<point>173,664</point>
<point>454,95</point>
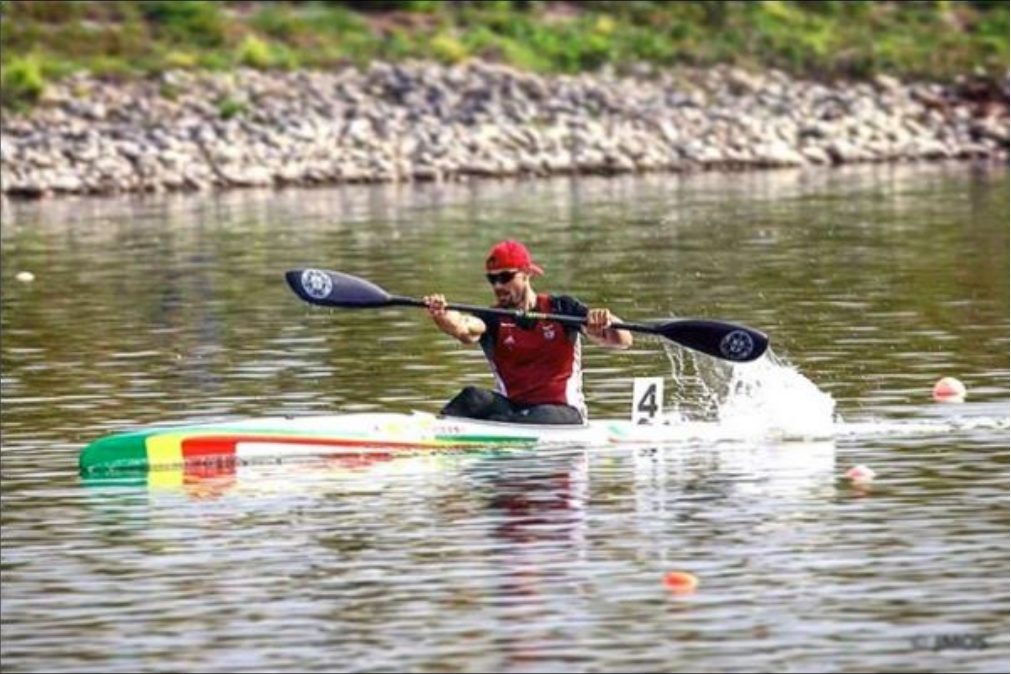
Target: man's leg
<point>477,403</point>
<point>548,414</point>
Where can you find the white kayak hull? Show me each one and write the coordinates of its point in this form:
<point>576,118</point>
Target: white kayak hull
<point>286,437</point>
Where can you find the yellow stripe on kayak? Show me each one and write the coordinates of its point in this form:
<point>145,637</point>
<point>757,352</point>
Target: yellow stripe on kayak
<point>165,479</point>
<point>165,450</point>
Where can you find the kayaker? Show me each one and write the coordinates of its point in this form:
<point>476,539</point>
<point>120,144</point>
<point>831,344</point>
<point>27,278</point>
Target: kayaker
<point>536,363</point>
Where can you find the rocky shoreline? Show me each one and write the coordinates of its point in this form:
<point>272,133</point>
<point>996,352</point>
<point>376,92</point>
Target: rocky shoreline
<point>418,122</point>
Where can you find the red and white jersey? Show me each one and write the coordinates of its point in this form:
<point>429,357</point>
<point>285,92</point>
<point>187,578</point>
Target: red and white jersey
<point>537,362</point>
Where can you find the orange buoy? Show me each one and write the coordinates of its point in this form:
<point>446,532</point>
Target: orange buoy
<point>680,582</point>
<point>949,390</point>
<point>860,474</point>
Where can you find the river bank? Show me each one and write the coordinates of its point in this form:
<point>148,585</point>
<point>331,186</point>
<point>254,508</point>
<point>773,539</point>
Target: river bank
<point>185,130</point>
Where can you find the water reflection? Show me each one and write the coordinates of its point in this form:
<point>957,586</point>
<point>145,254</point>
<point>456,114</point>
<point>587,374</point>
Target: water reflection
<point>873,282</point>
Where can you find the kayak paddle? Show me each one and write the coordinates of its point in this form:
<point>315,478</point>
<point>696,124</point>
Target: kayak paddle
<point>715,338</point>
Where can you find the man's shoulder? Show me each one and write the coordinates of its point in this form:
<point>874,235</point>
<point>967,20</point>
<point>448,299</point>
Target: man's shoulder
<point>490,318</point>
<point>491,321</point>
<point>567,304</point>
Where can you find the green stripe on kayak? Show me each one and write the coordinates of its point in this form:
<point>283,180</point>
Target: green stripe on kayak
<point>128,451</point>
<point>484,440</point>
<point>125,451</point>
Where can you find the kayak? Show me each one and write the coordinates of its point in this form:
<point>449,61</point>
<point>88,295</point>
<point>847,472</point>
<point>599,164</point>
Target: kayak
<point>280,438</point>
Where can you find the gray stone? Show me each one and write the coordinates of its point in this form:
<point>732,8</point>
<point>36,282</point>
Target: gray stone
<point>416,121</point>
<point>778,154</point>
<point>816,155</point>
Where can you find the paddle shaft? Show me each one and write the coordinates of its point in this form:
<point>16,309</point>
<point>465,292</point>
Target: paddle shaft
<point>715,338</point>
<point>517,313</point>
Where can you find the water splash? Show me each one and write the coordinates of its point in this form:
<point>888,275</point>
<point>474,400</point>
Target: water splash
<point>766,398</point>
<point>771,395</point>
<point>771,399</point>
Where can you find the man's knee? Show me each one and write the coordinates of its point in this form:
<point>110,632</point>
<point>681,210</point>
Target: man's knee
<point>472,395</point>
<point>471,401</point>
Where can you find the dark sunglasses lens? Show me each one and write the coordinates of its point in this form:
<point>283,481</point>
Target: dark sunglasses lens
<point>501,277</point>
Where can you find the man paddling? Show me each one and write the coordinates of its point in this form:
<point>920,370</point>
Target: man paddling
<point>536,363</point>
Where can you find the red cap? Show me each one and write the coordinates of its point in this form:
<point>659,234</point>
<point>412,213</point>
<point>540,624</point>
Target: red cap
<point>510,255</point>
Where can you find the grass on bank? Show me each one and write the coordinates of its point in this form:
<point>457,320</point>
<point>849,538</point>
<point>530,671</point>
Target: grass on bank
<point>937,40</point>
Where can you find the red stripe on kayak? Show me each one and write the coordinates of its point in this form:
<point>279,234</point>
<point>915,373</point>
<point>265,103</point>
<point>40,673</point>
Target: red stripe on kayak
<point>225,445</point>
<point>208,446</point>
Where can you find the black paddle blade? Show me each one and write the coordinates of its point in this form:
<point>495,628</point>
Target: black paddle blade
<point>716,338</point>
<point>334,289</point>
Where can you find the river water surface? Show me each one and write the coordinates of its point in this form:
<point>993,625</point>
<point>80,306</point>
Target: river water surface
<point>872,283</point>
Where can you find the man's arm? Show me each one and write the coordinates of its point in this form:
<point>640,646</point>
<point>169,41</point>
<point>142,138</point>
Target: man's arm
<point>599,330</point>
<point>598,322</point>
<point>464,327</point>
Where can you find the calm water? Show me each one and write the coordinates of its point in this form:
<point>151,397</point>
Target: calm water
<point>873,283</point>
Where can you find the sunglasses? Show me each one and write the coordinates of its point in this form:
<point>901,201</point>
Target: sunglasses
<point>502,277</point>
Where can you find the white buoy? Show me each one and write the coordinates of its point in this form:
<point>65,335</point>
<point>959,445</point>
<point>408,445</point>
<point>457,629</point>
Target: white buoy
<point>949,390</point>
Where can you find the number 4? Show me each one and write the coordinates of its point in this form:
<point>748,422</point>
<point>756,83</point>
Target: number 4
<point>648,402</point>
<point>647,399</point>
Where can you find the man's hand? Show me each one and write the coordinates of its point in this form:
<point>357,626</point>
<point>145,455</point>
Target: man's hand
<point>598,320</point>
<point>436,305</point>
<point>467,329</point>
<point>598,328</point>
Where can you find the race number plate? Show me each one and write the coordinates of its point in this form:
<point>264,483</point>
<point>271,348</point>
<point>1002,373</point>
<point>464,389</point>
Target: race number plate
<point>647,400</point>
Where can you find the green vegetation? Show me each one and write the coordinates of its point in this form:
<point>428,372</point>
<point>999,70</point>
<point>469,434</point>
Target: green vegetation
<point>229,107</point>
<point>936,39</point>
<point>22,80</point>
